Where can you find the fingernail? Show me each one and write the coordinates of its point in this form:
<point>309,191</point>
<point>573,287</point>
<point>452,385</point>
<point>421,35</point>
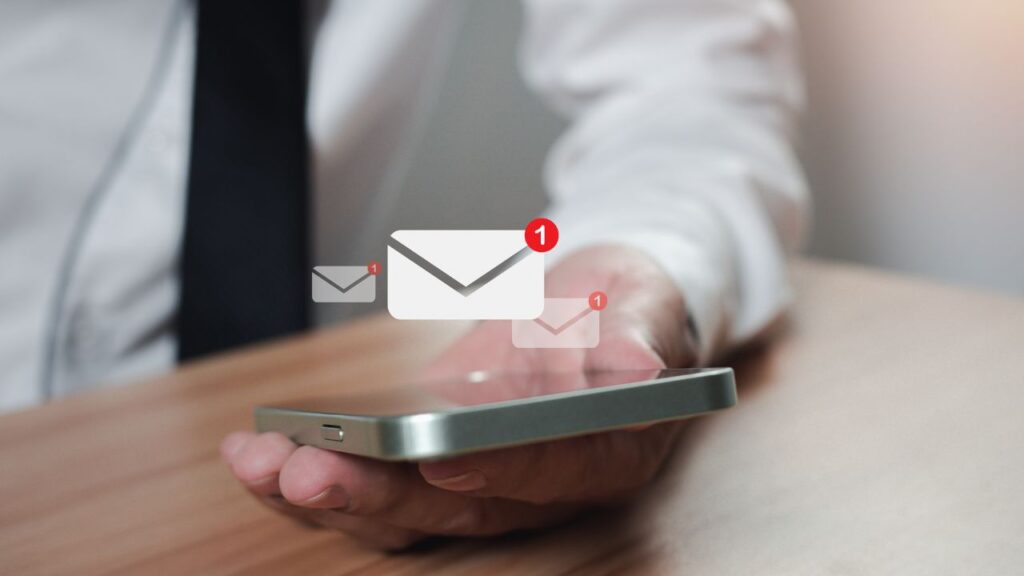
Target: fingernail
<point>331,497</point>
<point>465,482</point>
<point>230,446</point>
<point>264,486</point>
<point>260,483</point>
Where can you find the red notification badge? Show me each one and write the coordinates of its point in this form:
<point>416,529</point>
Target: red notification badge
<point>541,234</point>
<point>598,300</point>
<point>373,268</point>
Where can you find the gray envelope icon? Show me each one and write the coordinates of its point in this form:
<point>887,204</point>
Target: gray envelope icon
<point>343,284</point>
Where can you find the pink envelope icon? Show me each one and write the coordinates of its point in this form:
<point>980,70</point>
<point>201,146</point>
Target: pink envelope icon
<point>565,323</point>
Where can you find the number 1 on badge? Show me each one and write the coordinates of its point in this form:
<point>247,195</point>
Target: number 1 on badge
<point>541,235</point>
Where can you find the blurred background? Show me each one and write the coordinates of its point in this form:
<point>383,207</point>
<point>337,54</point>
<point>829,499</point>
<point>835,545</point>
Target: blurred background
<point>913,139</point>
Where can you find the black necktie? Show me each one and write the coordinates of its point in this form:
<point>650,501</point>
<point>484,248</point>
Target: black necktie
<point>246,247</point>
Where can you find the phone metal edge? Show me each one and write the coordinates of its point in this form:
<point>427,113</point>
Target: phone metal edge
<point>505,424</point>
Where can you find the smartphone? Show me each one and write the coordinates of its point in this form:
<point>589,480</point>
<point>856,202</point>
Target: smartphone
<point>485,411</point>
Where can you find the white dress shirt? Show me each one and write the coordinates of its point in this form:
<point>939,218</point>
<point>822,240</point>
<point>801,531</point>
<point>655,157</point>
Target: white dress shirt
<point>681,112</point>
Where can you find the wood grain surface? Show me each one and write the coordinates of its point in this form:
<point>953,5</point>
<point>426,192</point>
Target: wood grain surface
<point>881,432</point>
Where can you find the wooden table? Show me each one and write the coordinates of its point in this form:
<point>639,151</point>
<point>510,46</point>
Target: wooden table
<point>882,433</point>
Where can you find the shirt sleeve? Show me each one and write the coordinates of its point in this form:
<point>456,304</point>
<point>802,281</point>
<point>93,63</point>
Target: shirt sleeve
<point>680,144</point>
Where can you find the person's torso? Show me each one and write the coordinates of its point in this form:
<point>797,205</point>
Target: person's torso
<point>96,110</point>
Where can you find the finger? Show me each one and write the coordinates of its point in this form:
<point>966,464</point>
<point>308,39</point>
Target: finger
<point>258,462</point>
<point>396,494</point>
<point>367,531</point>
<point>636,341</point>
<point>277,503</point>
<point>623,349</point>
<point>233,442</point>
<point>588,468</point>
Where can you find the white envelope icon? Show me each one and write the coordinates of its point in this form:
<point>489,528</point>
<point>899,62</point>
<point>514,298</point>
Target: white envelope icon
<point>343,284</point>
<point>565,323</point>
<point>463,274</point>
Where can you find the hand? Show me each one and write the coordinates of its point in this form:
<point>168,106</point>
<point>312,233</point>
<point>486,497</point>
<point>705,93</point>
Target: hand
<point>391,505</point>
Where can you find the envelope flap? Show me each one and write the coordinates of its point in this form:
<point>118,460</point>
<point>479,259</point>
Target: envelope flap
<point>558,311</point>
<point>465,255</point>
<point>342,275</point>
